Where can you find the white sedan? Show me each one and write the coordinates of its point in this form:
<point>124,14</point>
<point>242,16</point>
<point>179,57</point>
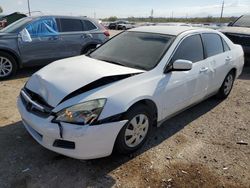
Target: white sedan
<point>88,106</point>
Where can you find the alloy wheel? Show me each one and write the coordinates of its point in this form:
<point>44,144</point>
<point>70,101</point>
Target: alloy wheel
<point>228,84</point>
<point>5,67</point>
<point>136,130</point>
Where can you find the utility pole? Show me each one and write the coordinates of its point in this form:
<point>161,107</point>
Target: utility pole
<point>152,15</point>
<point>222,9</point>
<point>29,7</point>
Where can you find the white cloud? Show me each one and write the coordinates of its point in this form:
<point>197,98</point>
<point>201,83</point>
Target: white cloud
<point>20,2</point>
<point>234,8</point>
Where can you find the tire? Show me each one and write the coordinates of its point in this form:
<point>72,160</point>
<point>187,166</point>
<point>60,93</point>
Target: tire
<point>124,28</point>
<point>135,137</point>
<point>8,66</point>
<point>226,86</point>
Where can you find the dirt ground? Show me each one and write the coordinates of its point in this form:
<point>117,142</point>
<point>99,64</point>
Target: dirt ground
<point>197,148</point>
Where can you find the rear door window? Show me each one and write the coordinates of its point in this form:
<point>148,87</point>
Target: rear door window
<point>190,49</point>
<point>70,25</point>
<point>225,45</point>
<point>88,26</point>
<point>213,44</point>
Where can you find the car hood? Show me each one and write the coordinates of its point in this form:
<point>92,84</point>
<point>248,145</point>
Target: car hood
<point>62,78</point>
<point>236,30</point>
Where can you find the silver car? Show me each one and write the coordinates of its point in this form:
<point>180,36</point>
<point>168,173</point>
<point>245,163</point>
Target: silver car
<point>40,40</point>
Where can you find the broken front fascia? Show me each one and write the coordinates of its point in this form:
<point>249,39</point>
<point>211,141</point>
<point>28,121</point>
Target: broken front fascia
<point>98,83</point>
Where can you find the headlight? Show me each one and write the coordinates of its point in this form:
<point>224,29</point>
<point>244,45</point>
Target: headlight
<point>83,113</point>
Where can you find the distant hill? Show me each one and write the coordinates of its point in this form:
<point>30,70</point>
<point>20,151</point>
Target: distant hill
<point>208,19</point>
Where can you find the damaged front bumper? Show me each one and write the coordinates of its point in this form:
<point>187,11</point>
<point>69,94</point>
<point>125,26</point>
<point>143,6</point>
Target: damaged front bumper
<point>81,142</point>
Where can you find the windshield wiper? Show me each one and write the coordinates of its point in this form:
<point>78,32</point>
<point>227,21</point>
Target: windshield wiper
<point>113,62</point>
<point>138,67</point>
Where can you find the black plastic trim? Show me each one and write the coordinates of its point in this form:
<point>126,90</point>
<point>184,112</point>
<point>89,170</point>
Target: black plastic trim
<point>114,118</point>
<point>64,144</point>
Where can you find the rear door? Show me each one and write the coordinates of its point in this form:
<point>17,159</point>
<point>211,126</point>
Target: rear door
<point>45,44</point>
<point>95,35</point>
<point>218,57</point>
<point>73,35</point>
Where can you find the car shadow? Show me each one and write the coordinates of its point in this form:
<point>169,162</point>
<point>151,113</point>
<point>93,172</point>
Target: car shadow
<point>24,162</point>
<point>245,74</point>
<point>24,73</point>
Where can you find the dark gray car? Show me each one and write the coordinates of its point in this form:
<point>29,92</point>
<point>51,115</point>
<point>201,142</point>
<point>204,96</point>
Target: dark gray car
<point>239,32</point>
<point>40,40</point>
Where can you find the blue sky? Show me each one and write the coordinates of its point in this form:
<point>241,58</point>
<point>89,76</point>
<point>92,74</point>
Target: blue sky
<point>125,8</point>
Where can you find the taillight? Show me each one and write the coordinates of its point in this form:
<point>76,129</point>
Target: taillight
<point>106,33</point>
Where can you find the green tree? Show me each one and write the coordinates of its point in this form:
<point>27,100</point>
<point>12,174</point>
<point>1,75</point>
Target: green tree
<point>112,18</point>
<point>1,10</point>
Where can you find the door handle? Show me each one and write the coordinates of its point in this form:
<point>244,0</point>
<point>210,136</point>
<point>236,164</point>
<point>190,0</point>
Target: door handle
<point>88,35</point>
<point>228,59</point>
<point>204,69</point>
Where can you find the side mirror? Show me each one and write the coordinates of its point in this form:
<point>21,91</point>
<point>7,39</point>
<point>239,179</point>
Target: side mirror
<point>182,65</point>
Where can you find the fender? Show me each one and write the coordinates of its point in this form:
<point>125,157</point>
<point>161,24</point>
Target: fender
<point>14,53</point>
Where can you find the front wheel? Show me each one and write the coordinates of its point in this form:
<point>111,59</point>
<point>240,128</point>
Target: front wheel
<point>8,65</point>
<point>226,86</point>
<point>134,134</point>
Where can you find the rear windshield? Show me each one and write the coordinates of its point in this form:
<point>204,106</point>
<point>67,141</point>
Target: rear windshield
<point>14,27</point>
<point>243,21</point>
<point>134,49</point>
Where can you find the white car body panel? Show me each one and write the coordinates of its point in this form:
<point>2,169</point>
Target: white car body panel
<point>171,92</point>
<point>76,68</point>
<point>85,146</point>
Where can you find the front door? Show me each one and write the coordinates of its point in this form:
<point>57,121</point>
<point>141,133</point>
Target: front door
<point>45,43</point>
<point>182,88</point>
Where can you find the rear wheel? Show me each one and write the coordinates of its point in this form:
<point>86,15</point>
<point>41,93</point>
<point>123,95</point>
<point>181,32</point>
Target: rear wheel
<point>8,65</point>
<point>226,86</point>
<point>134,134</point>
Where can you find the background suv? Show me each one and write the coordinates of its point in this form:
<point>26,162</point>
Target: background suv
<point>40,40</point>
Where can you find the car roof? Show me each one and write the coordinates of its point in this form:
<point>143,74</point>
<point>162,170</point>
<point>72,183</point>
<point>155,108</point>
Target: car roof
<point>168,30</point>
<point>59,16</point>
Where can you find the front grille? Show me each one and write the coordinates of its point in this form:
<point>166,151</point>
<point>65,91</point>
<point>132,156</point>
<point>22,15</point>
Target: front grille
<point>35,104</point>
<point>37,98</point>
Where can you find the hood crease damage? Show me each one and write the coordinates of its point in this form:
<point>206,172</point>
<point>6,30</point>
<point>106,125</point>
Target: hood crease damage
<point>98,83</point>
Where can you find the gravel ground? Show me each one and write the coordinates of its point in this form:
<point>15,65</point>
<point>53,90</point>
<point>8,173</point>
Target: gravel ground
<point>197,148</point>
